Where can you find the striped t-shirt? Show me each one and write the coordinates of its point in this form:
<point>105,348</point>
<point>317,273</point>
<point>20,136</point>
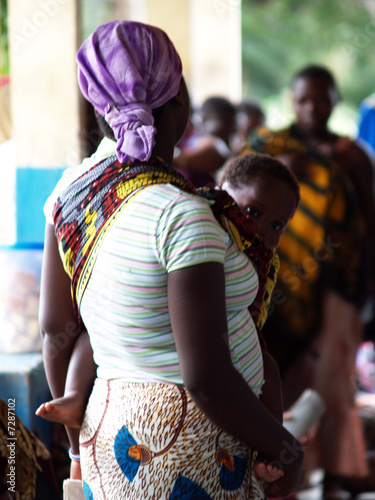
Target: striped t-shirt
<point>125,306</point>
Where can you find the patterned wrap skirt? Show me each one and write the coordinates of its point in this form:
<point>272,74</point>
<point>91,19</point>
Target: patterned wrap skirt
<point>150,441</point>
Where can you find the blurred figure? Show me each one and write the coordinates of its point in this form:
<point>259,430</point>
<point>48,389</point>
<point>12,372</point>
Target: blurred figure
<point>249,115</point>
<point>315,327</point>
<point>204,153</point>
<point>366,125</point>
<point>366,138</point>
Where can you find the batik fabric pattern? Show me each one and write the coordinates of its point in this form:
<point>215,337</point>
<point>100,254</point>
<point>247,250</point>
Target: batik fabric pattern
<point>151,441</point>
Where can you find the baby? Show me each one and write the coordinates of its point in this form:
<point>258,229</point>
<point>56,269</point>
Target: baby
<point>268,192</point>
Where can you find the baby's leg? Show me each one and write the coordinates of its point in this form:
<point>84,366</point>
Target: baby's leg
<point>69,409</point>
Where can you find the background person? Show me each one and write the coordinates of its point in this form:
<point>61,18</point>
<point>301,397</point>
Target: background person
<point>249,116</point>
<point>204,154</point>
<point>316,325</point>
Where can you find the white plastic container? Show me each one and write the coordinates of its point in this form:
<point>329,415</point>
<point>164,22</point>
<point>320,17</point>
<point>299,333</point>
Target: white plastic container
<point>305,412</point>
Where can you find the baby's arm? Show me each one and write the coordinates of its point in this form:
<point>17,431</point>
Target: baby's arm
<point>69,409</point>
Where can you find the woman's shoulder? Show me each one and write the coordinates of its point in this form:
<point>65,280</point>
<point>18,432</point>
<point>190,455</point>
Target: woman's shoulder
<point>169,205</point>
<point>174,195</point>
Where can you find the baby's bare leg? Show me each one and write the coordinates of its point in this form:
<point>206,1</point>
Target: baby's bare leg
<point>69,409</point>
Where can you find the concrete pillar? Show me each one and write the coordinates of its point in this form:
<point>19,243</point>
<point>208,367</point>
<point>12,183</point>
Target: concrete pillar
<point>45,108</point>
<point>207,35</point>
<point>43,38</point>
<point>174,19</point>
<point>215,49</point>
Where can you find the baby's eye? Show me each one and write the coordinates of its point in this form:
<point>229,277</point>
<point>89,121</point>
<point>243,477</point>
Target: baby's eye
<point>252,211</point>
<point>277,225</point>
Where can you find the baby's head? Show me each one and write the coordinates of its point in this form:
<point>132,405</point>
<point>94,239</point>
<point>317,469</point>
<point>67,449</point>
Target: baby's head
<point>265,189</point>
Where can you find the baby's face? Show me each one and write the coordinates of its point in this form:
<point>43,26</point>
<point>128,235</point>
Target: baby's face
<point>271,202</point>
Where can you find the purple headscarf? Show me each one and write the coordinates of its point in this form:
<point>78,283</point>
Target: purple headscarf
<point>125,70</point>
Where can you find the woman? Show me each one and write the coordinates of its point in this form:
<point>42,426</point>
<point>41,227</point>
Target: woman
<point>163,292</point>
<point>315,327</point>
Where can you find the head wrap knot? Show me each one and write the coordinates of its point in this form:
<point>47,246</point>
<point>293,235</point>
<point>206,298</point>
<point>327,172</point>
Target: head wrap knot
<point>125,70</point>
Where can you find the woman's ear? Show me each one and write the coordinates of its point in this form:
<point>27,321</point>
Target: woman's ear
<point>182,94</point>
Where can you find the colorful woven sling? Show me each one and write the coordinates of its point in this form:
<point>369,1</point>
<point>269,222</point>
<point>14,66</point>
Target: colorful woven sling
<point>89,206</point>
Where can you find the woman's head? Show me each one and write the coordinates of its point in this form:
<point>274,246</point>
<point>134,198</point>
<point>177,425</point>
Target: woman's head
<point>265,189</point>
<point>249,115</point>
<point>315,95</point>
<point>126,70</point>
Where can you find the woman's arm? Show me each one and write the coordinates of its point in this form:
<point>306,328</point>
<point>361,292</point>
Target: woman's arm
<point>272,391</point>
<point>196,297</point>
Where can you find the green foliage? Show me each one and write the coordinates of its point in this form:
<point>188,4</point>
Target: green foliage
<point>4,48</point>
<point>94,13</point>
<point>279,37</point>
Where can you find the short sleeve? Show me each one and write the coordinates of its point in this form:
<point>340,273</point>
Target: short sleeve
<point>188,234</point>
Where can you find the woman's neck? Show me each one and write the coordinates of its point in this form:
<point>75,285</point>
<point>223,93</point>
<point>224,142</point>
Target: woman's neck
<point>163,151</point>
<point>165,135</point>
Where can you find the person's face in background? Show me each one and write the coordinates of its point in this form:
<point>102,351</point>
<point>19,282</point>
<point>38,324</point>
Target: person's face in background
<point>223,126</point>
<point>313,102</point>
<point>246,122</point>
<point>271,202</point>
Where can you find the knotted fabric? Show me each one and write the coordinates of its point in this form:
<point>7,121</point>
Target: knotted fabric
<point>125,70</point>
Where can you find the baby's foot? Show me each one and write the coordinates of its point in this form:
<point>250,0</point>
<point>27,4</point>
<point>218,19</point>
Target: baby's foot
<point>266,471</point>
<point>67,410</point>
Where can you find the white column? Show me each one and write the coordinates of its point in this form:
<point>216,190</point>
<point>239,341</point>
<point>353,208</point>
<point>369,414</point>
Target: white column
<point>215,49</point>
<point>44,91</point>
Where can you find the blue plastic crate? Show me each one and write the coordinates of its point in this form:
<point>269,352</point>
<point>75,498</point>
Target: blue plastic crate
<point>33,186</point>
